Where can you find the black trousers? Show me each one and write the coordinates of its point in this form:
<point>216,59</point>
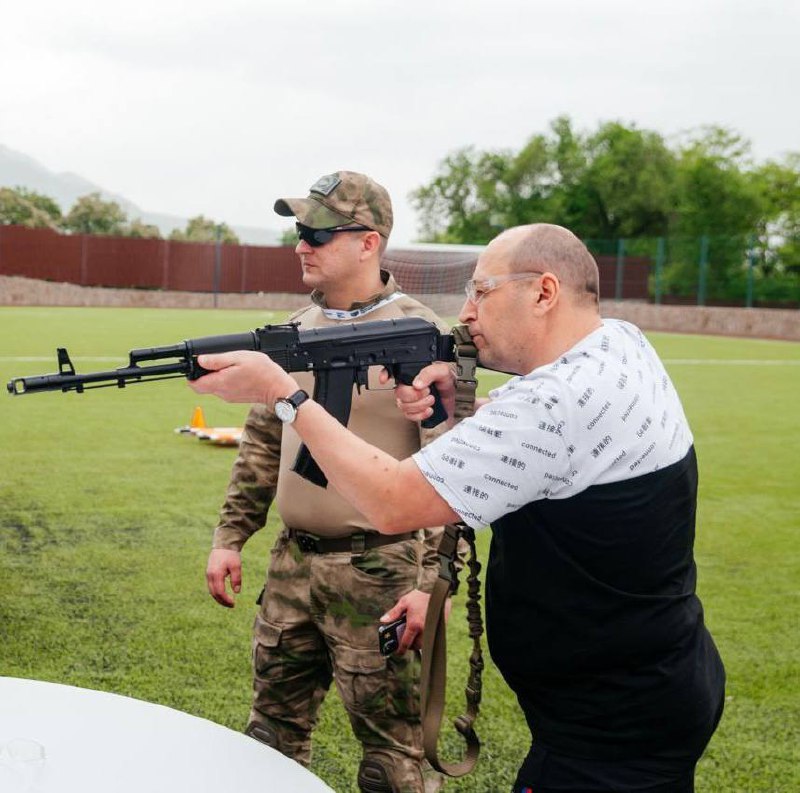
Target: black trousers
<point>545,771</point>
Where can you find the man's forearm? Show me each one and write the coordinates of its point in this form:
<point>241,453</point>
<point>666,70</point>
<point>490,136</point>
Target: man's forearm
<point>244,512</point>
<point>253,482</point>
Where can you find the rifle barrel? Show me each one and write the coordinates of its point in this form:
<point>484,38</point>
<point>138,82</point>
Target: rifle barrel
<point>77,382</point>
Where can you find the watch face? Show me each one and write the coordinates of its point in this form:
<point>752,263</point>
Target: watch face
<point>285,410</point>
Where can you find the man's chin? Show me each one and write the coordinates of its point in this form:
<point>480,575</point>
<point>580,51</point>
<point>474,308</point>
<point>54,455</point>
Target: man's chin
<point>489,361</point>
<point>485,357</point>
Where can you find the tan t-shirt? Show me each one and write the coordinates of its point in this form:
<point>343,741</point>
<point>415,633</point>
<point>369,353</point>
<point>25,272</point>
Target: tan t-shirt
<point>269,449</point>
<point>374,417</point>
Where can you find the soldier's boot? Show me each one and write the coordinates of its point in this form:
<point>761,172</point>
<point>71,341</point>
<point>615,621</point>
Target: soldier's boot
<point>390,773</point>
<point>292,743</point>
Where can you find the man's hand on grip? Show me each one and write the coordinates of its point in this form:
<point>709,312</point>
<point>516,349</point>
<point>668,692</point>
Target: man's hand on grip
<point>416,401</point>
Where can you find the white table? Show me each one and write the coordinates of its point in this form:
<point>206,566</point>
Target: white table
<point>93,742</point>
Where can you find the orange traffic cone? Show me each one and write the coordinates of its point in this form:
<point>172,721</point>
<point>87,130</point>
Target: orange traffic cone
<point>198,421</point>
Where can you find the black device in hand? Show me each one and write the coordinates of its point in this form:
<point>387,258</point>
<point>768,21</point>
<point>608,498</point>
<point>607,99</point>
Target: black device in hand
<point>389,635</point>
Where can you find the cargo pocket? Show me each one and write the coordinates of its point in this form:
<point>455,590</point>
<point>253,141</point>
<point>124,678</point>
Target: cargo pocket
<point>389,565</point>
<point>267,662</point>
<point>361,679</point>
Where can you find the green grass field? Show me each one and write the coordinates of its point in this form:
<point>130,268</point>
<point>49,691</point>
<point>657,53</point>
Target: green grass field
<point>106,517</point>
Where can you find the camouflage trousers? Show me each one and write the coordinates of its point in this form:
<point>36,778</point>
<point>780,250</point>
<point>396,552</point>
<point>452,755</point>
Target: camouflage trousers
<point>318,622</point>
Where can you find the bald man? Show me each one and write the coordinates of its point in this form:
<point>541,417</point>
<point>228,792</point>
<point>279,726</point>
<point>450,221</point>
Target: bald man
<point>584,467</point>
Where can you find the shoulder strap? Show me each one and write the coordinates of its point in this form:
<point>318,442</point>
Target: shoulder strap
<point>466,363</point>
<point>434,654</point>
<point>434,637</point>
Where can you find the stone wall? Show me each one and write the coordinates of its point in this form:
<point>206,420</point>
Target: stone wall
<point>18,291</point>
<point>762,323</point>
<point>747,322</point>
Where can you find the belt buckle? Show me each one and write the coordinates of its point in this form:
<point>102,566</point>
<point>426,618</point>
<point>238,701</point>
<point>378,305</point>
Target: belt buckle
<point>358,543</point>
<point>307,543</point>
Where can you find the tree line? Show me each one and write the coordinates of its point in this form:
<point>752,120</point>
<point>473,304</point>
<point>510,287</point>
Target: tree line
<point>619,182</point>
<point>92,214</point>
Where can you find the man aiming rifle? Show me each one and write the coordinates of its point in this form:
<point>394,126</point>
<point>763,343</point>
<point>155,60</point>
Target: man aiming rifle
<point>584,466</point>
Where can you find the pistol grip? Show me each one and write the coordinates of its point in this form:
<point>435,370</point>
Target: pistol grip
<point>439,413</point>
<point>406,375</point>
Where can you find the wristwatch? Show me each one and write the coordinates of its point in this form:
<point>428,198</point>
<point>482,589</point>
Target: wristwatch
<point>286,409</point>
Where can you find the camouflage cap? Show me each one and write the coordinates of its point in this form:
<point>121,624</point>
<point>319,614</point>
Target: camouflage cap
<point>339,199</point>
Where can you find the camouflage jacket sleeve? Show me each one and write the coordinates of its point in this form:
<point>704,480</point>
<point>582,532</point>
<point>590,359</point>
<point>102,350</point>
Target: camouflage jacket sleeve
<point>253,480</point>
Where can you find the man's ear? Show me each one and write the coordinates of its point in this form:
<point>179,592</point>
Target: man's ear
<point>371,242</point>
<point>547,293</point>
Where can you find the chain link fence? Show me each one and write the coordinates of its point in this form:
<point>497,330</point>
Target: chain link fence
<point>705,271</point>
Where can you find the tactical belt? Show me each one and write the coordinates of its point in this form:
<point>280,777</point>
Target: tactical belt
<point>434,637</point>
<point>355,543</point>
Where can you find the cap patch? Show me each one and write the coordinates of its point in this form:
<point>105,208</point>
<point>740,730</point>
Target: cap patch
<point>325,185</point>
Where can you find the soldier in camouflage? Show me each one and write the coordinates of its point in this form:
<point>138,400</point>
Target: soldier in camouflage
<point>331,576</point>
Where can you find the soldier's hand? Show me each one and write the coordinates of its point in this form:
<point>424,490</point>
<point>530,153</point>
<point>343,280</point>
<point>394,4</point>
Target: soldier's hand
<point>414,605</point>
<point>224,564</point>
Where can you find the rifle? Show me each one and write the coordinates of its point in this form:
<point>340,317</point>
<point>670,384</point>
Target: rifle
<point>338,356</point>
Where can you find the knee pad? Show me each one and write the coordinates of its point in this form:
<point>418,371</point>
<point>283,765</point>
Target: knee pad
<point>372,778</point>
<point>263,733</point>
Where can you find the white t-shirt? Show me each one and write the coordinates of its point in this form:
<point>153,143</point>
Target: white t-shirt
<point>604,412</point>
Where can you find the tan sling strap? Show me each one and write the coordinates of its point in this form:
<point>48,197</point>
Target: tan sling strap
<point>434,654</point>
<point>466,363</point>
<point>434,638</point>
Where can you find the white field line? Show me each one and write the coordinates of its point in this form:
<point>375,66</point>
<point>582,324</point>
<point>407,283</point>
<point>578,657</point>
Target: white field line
<point>728,362</point>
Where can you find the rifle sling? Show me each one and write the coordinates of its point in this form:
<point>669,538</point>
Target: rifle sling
<point>434,638</point>
<point>434,655</point>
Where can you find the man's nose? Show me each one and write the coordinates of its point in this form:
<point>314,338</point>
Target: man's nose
<point>302,247</point>
<point>468,311</point>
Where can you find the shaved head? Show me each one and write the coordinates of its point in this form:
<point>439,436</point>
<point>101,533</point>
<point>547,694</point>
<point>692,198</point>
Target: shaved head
<point>545,247</point>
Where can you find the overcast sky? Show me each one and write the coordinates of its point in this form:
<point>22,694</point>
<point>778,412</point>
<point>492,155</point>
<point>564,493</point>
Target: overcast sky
<point>217,108</point>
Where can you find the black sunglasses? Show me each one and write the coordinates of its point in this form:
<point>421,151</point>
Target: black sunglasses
<point>317,237</point>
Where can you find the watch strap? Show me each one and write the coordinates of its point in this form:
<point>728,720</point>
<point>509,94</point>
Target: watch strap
<point>297,398</point>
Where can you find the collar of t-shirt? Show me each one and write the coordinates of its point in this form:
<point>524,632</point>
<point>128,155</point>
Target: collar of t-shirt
<point>388,294</point>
